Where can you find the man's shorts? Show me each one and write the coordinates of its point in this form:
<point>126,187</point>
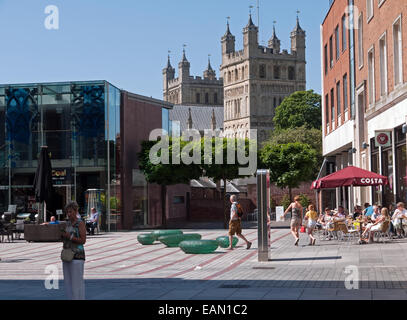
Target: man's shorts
<point>235,227</point>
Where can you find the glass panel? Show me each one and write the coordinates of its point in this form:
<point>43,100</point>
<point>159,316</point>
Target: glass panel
<point>140,199</point>
<point>388,195</point>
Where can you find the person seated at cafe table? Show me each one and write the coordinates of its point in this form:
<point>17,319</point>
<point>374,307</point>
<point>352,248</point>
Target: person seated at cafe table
<point>376,213</point>
<point>368,211</point>
<point>357,212</point>
<point>53,221</point>
<point>397,219</point>
<point>340,214</point>
<point>376,226</point>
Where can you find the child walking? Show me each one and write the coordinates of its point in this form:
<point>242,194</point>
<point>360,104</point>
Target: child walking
<point>312,217</point>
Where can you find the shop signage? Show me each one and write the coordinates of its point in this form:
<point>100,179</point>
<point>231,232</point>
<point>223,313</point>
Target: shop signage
<point>61,176</point>
<point>371,181</point>
<point>383,139</point>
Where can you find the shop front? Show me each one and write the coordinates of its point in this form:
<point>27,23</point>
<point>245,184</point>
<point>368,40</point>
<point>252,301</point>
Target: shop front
<point>80,124</point>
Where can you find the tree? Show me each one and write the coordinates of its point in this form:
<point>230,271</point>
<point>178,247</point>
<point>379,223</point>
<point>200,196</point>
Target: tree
<point>302,134</point>
<point>224,171</point>
<point>289,164</point>
<point>166,174</point>
<point>302,108</point>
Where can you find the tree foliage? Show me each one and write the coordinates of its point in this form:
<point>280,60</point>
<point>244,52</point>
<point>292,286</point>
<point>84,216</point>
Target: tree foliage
<point>289,164</point>
<point>310,136</point>
<point>302,108</point>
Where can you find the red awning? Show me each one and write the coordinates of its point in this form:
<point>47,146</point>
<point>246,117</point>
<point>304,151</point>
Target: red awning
<point>350,176</point>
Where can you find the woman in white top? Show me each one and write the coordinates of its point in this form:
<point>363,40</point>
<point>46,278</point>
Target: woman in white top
<point>399,214</point>
<point>376,226</point>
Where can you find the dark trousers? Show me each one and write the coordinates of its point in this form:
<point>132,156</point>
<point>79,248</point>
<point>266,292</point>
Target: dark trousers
<point>90,227</point>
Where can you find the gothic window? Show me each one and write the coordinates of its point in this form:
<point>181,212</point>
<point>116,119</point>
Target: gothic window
<point>229,77</point>
<point>280,100</point>
<point>243,70</point>
<point>215,98</point>
<point>275,102</point>
<point>276,72</point>
<point>262,71</point>
<point>236,75</point>
<point>291,73</point>
<point>198,98</point>
<point>206,98</point>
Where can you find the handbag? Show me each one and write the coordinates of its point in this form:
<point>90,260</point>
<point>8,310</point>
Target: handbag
<point>67,255</point>
<point>302,229</point>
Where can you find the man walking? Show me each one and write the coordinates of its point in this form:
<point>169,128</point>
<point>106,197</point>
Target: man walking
<point>235,224</point>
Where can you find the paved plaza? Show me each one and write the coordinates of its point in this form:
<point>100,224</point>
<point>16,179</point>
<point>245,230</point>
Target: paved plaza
<point>118,267</point>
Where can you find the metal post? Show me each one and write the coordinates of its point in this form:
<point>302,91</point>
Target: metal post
<point>263,186</point>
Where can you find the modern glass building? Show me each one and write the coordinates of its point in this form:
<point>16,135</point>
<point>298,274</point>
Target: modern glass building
<point>80,124</point>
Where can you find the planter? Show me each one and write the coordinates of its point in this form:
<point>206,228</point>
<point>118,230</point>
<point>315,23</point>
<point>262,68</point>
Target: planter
<point>199,246</point>
<point>175,239</point>
<point>146,239</point>
<point>161,233</point>
<point>224,242</point>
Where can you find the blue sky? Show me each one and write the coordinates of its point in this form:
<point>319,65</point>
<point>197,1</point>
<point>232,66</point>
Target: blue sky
<point>126,41</point>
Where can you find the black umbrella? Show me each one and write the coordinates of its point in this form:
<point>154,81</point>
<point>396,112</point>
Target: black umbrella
<point>43,181</point>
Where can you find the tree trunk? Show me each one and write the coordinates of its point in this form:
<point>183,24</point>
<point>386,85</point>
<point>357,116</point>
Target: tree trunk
<point>291,194</point>
<point>163,205</point>
<point>226,216</point>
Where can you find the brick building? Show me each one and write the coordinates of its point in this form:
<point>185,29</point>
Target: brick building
<point>363,44</point>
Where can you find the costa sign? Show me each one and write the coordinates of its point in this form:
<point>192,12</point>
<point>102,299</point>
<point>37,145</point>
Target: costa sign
<point>383,139</point>
<point>371,181</point>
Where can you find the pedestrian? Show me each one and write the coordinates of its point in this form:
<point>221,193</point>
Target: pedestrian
<point>235,224</point>
<point>296,218</point>
<point>312,217</point>
<point>73,253</point>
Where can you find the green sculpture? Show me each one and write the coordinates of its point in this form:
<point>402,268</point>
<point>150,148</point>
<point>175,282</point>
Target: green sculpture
<point>146,239</point>
<point>224,241</point>
<point>199,246</point>
<point>160,233</point>
<point>175,239</point>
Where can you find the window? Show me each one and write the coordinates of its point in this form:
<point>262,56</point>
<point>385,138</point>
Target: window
<point>369,9</point>
<point>276,72</point>
<point>198,98</point>
<point>337,42</point>
<point>236,75</point>
<point>262,71</point>
<point>326,58</point>
<point>291,73</point>
<point>229,77</point>
<point>383,65</point>
<point>338,99</point>
<point>360,41</point>
<point>345,93</point>
<point>344,28</point>
<point>280,101</point>
<point>206,98</point>
<point>275,102</point>
<point>327,109</point>
<point>332,106</point>
<point>242,76</point>
<point>178,200</point>
<point>397,45</point>
<point>215,98</point>
<point>331,54</point>
<point>371,82</point>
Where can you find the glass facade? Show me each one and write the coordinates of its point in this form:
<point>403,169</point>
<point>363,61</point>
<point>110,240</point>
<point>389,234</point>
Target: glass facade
<point>80,124</point>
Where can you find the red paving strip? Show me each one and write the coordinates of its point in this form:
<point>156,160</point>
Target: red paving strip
<point>151,260</point>
<point>50,247</point>
<point>234,265</point>
<point>101,251</point>
<point>206,262</point>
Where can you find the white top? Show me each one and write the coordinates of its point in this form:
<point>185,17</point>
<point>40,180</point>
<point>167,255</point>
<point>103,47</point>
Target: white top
<point>233,212</point>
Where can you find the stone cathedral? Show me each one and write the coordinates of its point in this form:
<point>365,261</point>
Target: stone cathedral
<point>252,83</point>
<point>258,78</point>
